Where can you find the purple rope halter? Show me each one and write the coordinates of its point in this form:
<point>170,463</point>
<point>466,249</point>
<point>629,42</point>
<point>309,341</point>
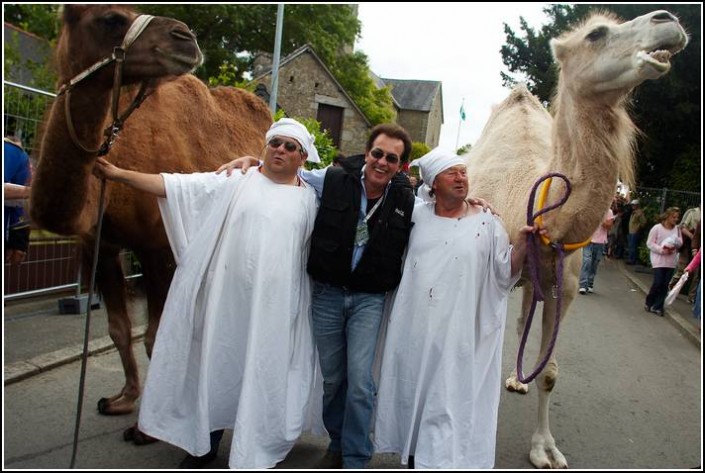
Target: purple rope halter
<point>538,296</point>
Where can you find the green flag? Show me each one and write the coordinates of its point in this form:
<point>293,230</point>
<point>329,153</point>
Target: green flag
<point>462,112</point>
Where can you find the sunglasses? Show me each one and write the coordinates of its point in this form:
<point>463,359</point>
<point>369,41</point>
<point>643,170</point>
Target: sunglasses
<point>290,146</point>
<point>379,154</point>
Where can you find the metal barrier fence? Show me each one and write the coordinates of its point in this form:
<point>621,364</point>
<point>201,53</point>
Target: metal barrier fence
<point>52,263</point>
<point>23,112</point>
<point>655,201</point>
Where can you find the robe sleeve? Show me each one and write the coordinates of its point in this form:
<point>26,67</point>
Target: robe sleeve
<point>502,257</point>
<point>190,199</point>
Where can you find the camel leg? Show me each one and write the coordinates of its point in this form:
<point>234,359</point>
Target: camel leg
<point>111,281</point>
<point>512,383</point>
<point>544,453</point>
<point>157,271</point>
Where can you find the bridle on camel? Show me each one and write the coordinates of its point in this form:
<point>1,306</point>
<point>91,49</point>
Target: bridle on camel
<point>111,132</point>
<point>118,56</point>
<point>533,252</point>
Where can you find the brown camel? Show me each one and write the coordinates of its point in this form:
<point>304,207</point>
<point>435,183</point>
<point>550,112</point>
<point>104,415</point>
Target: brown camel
<point>590,139</point>
<point>182,126</point>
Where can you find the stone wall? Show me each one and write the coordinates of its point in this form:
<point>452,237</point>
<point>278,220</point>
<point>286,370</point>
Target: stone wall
<point>303,84</point>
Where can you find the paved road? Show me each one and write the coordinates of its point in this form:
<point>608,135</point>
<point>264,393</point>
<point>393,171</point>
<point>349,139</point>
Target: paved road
<point>629,393</point>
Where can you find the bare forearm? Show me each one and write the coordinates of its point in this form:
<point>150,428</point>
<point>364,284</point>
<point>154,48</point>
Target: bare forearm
<point>15,191</point>
<point>150,183</point>
<point>518,255</point>
<point>520,246</point>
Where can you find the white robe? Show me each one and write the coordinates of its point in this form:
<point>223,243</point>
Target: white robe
<point>440,381</point>
<point>234,349</point>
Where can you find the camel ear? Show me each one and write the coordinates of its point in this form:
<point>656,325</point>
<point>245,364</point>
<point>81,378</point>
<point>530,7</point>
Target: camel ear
<point>72,13</point>
<point>558,49</point>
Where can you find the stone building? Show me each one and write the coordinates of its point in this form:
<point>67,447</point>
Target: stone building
<point>308,89</point>
<point>420,110</point>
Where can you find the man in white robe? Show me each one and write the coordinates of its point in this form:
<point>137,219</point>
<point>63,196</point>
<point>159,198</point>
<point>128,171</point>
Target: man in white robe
<point>234,349</point>
<point>440,378</point>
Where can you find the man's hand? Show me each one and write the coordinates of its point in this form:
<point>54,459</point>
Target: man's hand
<point>243,163</point>
<point>105,170</point>
<point>485,205</point>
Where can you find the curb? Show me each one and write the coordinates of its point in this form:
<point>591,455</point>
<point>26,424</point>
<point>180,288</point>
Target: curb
<point>20,370</point>
<point>685,327</point>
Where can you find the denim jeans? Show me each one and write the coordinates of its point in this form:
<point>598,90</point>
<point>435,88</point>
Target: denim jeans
<point>345,325</point>
<point>633,240</point>
<point>592,254</point>
<point>696,307</point>
<point>659,288</point>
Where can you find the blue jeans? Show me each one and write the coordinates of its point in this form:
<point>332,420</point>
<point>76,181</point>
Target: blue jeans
<point>633,240</point>
<point>592,254</point>
<point>659,288</point>
<point>696,307</point>
<point>345,325</point>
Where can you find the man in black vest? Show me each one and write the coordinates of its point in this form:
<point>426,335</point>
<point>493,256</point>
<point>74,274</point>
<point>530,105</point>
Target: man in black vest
<point>357,248</point>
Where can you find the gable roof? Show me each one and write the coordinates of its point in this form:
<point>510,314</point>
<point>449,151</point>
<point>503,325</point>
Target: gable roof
<point>306,48</point>
<point>414,94</point>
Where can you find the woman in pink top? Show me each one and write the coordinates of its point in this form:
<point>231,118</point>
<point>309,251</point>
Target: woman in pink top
<point>663,241</point>
<point>689,269</point>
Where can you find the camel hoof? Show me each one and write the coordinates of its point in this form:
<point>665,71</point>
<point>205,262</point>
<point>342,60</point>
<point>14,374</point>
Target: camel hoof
<point>135,435</point>
<point>103,404</point>
<point>513,385</point>
<point>115,406</point>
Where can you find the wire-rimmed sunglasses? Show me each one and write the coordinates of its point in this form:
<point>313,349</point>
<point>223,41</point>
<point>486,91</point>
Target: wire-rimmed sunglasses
<point>379,154</point>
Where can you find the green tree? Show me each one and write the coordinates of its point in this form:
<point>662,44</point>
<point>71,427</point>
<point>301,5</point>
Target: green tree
<point>666,110</point>
<point>233,33</point>
<point>39,19</point>
<point>230,35</point>
<point>418,149</point>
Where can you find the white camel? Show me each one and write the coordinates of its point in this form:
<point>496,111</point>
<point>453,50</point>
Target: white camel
<point>590,139</point>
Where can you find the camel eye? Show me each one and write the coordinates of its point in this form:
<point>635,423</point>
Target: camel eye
<point>113,21</point>
<point>597,34</point>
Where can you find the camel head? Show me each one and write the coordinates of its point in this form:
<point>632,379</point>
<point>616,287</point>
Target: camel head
<point>166,48</point>
<point>603,56</point>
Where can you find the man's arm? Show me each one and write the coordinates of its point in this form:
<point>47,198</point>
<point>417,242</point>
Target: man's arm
<point>519,250</point>
<point>15,191</point>
<point>151,183</point>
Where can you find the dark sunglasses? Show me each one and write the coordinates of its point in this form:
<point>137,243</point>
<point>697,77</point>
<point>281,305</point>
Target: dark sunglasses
<point>290,146</point>
<point>379,154</point>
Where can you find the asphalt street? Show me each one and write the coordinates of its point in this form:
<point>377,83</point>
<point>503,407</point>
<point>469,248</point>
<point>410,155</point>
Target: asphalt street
<point>629,393</point>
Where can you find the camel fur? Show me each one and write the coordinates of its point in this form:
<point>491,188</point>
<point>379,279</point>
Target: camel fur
<point>588,137</point>
<point>183,126</point>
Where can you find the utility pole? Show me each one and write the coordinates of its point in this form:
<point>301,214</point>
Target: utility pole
<point>275,59</point>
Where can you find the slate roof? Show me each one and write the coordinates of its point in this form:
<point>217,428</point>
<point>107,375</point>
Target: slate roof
<point>414,94</point>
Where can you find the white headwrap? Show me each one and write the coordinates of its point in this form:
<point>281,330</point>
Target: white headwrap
<point>292,129</point>
<point>431,165</point>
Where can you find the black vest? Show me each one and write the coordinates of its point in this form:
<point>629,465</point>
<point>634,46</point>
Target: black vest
<point>332,242</point>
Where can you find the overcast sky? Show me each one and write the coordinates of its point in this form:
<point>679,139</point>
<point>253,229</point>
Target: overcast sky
<point>455,43</point>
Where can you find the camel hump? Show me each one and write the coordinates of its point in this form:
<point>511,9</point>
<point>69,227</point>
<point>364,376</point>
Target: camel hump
<point>246,101</point>
<point>520,95</point>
